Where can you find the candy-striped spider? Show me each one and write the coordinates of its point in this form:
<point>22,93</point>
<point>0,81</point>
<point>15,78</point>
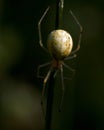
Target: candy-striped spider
<point>59,46</point>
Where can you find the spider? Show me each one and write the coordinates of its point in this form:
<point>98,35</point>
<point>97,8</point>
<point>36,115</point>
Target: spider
<point>59,45</point>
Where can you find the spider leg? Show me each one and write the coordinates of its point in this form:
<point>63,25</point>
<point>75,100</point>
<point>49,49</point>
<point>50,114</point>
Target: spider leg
<point>80,35</point>
<point>44,83</point>
<point>41,66</point>
<point>63,88</point>
<point>39,29</point>
<point>69,68</point>
<point>71,57</point>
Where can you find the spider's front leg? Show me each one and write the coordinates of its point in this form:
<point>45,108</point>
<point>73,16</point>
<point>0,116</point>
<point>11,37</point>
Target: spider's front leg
<point>62,81</point>
<point>44,83</point>
<point>39,29</point>
<point>42,66</point>
<point>70,69</point>
<point>63,88</point>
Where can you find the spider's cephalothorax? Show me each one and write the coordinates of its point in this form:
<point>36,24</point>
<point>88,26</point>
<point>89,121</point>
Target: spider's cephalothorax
<point>59,44</point>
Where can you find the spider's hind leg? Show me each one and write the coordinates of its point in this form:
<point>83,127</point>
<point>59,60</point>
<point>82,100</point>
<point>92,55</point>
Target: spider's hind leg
<point>80,33</point>
<point>70,57</point>
<point>39,30</point>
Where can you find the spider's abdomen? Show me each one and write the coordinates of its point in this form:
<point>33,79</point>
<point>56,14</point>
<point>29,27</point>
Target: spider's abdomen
<point>59,44</point>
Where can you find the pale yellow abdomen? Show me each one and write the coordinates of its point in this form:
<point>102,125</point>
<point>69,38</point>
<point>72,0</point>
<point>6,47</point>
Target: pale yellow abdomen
<point>59,44</point>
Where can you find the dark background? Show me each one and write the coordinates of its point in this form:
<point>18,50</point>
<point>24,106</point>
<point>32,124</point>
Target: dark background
<point>20,55</point>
